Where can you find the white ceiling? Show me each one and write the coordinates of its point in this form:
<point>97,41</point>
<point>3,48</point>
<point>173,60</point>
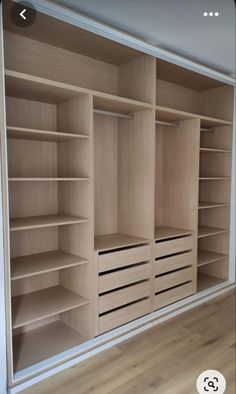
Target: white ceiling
<point>176,25</point>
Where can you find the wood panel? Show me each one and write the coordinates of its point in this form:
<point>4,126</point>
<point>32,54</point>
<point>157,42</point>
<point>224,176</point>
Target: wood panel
<point>116,241</point>
<point>173,295</point>
<point>123,315</point>
<point>124,296</point>
<point>47,61</point>
<point>218,102</point>
<point>34,283</point>
<point>218,269</point>
<point>137,79</point>
<point>220,138</point>
<point>123,258</point>
<point>167,264</point>
<point>124,277</point>
<point>136,172</point>
<point>178,245</point>
<point>105,174</point>
<point>219,217</point>
<point>215,165</point>
<point>172,279</point>
<point>215,191</point>
<point>178,97</point>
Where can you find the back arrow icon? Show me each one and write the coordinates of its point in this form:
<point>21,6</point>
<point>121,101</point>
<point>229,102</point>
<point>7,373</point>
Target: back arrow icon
<point>22,14</point>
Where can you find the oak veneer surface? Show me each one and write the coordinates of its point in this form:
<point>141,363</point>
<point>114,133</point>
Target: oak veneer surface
<point>164,232</point>
<point>204,231</point>
<point>43,221</point>
<point>207,256</point>
<point>44,303</point>
<point>197,340</point>
<point>116,240</point>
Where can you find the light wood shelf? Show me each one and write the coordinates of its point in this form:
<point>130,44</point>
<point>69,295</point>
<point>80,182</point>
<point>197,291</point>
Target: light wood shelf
<point>174,115</point>
<point>206,205</point>
<point>207,257</point>
<point>27,223</point>
<point>207,281</point>
<point>205,231</point>
<point>32,307</point>
<point>47,179</point>
<point>42,135</point>
<point>40,89</point>
<point>116,240</point>
<point>41,343</point>
<point>214,150</point>
<point>165,232</point>
<point>215,178</point>
<point>36,264</point>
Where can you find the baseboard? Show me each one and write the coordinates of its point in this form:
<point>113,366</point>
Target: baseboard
<point>41,371</point>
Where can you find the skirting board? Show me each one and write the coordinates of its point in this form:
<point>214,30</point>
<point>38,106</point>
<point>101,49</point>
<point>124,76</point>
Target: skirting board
<point>41,371</point>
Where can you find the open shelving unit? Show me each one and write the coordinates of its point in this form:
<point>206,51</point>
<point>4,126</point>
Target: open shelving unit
<point>118,176</point>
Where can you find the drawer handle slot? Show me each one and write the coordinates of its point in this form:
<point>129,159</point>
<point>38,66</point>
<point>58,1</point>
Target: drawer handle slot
<point>173,255</point>
<point>123,268</point>
<point>123,287</point>
<point>173,238</point>
<point>173,287</point>
<point>119,249</point>
<point>172,271</point>
<point>123,306</point>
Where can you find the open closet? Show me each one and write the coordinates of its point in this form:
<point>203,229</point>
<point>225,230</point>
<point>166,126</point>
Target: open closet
<point>117,186</point>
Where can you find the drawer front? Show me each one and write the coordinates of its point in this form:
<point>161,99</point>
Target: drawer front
<point>123,258</point>
<point>172,263</point>
<point>124,296</point>
<point>173,246</point>
<point>124,277</point>
<point>173,279</point>
<point>123,315</point>
<point>170,296</point>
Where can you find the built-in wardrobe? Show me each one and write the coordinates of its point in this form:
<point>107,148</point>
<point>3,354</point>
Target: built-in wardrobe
<point>117,185</point>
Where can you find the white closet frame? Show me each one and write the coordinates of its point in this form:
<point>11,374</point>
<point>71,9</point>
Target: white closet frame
<point>27,377</point>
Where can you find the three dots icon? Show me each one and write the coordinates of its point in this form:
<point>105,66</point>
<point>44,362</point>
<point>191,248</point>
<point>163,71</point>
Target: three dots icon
<point>211,13</point>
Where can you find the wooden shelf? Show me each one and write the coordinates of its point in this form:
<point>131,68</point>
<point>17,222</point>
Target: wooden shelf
<point>205,281</point>
<point>27,223</point>
<point>205,205</point>
<point>215,178</point>
<point>42,135</point>
<point>32,307</point>
<point>207,257</point>
<point>174,115</point>
<point>205,231</point>
<point>45,90</point>
<point>164,232</point>
<point>36,264</point>
<point>116,240</point>
<point>41,343</point>
<point>47,179</point>
<point>214,150</point>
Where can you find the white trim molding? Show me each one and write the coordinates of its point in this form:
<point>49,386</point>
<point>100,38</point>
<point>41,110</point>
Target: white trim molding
<point>76,19</point>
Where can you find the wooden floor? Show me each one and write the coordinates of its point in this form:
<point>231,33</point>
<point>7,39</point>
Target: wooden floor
<point>164,360</point>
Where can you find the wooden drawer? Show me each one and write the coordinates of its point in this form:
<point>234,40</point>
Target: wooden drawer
<point>124,277</point>
<point>174,262</point>
<point>173,279</point>
<point>122,258</point>
<point>173,295</point>
<point>123,296</point>
<point>123,315</point>
<point>166,248</point>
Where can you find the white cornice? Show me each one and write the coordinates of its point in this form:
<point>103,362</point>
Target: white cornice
<point>67,15</point>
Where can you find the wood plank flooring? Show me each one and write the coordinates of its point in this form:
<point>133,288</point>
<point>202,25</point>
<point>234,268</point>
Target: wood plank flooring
<point>164,360</point>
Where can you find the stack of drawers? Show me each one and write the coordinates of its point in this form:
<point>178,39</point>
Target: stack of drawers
<point>124,286</point>
<point>173,270</point>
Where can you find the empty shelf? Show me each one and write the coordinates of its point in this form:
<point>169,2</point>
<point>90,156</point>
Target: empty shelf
<point>32,222</point>
<point>205,231</point>
<point>212,150</point>
<point>41,343</point>
<point>32,307</point>
<point>214,178</point>
<point>206,257</point>
<point>116,240</point>
<point>205,281</point>
<point>164,232</point>
<point>108,102</point>
<point>174,115</point>
<point>36,264</point>
<point>41,135</point>
<point>205,204</point>
<point>47,179</point>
